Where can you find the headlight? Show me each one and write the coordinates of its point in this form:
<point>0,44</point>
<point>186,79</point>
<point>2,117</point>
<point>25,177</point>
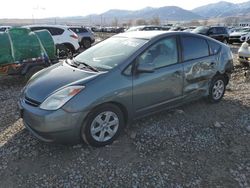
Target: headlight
<point>58,99</point>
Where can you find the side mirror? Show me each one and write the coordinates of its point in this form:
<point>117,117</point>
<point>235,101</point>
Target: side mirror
<point>145,68</point>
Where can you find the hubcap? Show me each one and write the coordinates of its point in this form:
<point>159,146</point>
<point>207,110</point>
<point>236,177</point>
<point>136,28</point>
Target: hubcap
<point>218,89</point>
<point>104,126</point>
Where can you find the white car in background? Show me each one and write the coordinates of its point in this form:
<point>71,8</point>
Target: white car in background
<point>85,36</point>
<point>244,53</point>
<point>65,39</point>
<point>239,36</point>
<point>4,28</point>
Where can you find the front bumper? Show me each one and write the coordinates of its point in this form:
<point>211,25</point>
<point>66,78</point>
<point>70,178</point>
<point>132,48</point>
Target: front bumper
<point>236,40</point>
<point>52,126</point>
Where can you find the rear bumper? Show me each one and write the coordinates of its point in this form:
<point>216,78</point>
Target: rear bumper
<point>244,60</point>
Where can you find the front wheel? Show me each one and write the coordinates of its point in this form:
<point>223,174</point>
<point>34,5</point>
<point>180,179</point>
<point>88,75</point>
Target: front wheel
<point>103,125</point>
<point>217,89</point>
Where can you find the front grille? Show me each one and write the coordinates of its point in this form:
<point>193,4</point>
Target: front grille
<point>31,102</point>
<point>234,37</point>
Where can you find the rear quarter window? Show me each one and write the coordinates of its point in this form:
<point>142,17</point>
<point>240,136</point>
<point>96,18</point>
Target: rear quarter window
<point>194,48</point>
<point>214,47</point>
<point>55,31</point>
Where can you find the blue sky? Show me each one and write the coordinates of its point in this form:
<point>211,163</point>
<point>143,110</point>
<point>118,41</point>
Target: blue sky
<point>56,8</point>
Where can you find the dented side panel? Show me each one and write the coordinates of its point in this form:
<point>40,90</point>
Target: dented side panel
<point>197,75</point>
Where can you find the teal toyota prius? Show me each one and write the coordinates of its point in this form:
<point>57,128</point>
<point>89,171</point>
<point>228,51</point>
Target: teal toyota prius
<point>93,96</point>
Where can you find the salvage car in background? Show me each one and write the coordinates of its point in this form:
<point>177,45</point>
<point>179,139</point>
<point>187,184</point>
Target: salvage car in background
<point>148,28</point>
<point>65,39</point>
<point>244,53</point>
<point>4,28</point>
<point>216,32</point>
<point>85,36</point>
<point>23,52</point>
<point>93,96</point>
<point>238,36</point>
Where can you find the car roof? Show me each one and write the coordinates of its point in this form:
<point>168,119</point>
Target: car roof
<point>152,34</point>
<point>44,25</point>
<point>141,34</point>
<point>5,26</point>
<point>148,35</point>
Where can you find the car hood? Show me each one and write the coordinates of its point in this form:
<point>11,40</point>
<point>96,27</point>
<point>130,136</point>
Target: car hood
<point>47,81</point>
<point>238,33</point>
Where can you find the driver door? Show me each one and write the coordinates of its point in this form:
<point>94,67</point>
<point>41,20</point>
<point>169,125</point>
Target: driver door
<point>155,90</point>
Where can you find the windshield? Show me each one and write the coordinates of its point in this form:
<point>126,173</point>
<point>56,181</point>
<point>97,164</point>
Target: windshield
<point>200,30</point>
<point>110,53</point>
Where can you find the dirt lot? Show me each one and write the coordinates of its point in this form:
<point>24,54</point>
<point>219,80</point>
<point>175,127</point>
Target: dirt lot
<point>196,145</point>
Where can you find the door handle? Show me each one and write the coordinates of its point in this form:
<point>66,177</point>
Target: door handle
<point>177,73</point>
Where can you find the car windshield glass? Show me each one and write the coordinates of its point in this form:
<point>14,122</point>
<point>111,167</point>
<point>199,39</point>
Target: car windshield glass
<point>110,53</point>
<point>201,30</point>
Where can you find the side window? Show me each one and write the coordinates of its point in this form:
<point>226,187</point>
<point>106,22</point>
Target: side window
<point>55,31</point>
<point>83,30</point>
<point>212,31</point>
<point>194,48</point>
<point>214,47</point>
<point>36,28</point>
<point>220,30</point>
<point>74,29</point>
<point>161,54</point>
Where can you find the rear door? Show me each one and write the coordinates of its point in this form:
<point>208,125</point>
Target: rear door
<point>199,65</point>
<point>213,32</point>
<point>57,34</point>
<point>154,90</point>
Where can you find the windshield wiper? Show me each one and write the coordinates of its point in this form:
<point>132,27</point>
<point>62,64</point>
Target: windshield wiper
<point>78,63</point>
<point>72,63</point>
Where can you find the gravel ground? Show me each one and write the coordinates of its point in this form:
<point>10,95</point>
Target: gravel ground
<point>196,145</point>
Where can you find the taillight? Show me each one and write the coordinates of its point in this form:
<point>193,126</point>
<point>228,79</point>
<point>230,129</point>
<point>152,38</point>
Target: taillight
<point>75,36</point>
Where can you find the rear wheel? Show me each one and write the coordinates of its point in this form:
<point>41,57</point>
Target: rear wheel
<point>86,43</point>
<point>103,125</point>
<point>217,89</point>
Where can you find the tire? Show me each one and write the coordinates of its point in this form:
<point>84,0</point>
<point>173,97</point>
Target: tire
<point>32,71</point>
<point>86,43</point>
<point>64,51</point>
<point>217,89</point>
<point>95,129</point>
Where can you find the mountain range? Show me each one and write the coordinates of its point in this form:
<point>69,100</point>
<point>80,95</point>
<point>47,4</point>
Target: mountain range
<point>223,9</point>
<point>216,10</point>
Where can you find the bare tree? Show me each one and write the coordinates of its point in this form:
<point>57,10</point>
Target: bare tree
<point>115,22</point>
<point>130,23</point>
<point>141,22</point>
<point>228,21</point>
<point>205,22</point>
<point>194,23</point>
<point>155,20</point>
<point>236,21</point>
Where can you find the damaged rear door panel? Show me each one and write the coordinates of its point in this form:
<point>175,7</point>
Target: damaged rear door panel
<point>199,66</point>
